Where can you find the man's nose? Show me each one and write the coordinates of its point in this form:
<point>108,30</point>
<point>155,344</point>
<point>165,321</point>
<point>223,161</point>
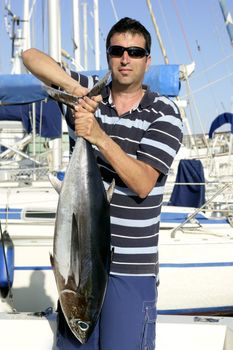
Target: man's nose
<point>125,57</point>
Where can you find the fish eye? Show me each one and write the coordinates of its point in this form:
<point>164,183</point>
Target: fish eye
<point>83,325</point>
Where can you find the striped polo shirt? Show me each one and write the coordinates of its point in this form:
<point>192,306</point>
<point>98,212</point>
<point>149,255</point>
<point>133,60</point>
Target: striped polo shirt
<point>151,132</point>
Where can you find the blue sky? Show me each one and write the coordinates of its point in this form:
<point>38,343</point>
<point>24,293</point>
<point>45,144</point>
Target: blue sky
<point>192,30</point>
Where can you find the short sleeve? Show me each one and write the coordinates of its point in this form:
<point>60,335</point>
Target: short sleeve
<point>163,137</point>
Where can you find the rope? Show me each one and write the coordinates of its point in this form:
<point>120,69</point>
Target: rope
<point>171,41</point>
<point>213,66</point>
<point>183,30</point>
<point>191,96</point>
<point>32,9</point>
<point>210,83</point>
<point>114,11</point>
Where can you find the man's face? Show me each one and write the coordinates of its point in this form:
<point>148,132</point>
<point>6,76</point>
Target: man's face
<point>128,71</point>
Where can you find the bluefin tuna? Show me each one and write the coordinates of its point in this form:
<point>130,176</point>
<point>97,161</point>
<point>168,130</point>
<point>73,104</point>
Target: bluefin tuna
<point>81,250</point>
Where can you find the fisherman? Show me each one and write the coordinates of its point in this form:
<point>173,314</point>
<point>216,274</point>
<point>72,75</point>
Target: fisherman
<point>136,134</point>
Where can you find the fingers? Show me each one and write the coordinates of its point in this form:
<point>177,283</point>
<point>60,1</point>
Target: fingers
<point>97,98</point>
<point>84,115</point>
<point>81,128</point>
<point>78,90</point>
<point>83,120</point>
<point>89,104</point>
<point>86,126</point>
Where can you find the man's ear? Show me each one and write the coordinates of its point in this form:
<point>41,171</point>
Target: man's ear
<point>109,62</point>
<point>148,62</point>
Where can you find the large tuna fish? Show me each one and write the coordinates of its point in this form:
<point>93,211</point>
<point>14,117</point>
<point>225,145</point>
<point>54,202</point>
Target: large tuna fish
<point>81,256</point>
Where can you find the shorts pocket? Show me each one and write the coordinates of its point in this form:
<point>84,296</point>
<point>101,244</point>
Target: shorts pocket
<point>148,335</point>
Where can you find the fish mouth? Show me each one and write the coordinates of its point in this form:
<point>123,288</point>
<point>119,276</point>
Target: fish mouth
<point>80,329</point>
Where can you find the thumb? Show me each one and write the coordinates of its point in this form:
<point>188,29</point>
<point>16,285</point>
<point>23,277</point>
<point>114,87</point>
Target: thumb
<point>97,98</point>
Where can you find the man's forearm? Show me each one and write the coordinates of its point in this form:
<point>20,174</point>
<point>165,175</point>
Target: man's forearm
<point>137,175</point>
<point>49,71</point>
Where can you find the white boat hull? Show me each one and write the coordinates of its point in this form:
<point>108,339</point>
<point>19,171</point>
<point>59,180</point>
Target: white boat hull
<point>196,277</point>
<point>196,265</point>
<point>26,332</point>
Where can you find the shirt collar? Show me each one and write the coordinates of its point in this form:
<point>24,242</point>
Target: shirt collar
<point>146,101</point>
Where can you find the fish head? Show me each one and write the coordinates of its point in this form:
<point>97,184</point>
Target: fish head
<point>81,329</point>
<point>76,316</point>
<point>74,307</point>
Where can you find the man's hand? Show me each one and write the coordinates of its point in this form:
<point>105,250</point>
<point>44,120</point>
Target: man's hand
<point>77,90</point>
<point>86,124</point>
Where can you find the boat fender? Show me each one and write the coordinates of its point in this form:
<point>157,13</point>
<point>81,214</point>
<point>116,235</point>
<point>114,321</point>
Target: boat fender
<point>6,274</point>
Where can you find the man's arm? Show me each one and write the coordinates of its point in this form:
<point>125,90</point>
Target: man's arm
<point>137,175</point>
<point>49,71</point>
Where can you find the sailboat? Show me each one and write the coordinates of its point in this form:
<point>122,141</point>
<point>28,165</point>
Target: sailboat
<point>195,247</point>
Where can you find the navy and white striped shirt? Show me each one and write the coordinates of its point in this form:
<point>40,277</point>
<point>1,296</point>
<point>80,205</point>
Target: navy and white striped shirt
<point>152,133</point>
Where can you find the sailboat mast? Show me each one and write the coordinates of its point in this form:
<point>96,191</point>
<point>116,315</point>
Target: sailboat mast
<point>228,19</point>
<point>15,33</point>
<point>26,26</point>
<point>26,45</point>
<point>182,111</point>
<point>54,36</point>
<point>76,32</point>
<point>54,50</point>
<point>157,32</point>
<point>85,46</point>
<point>97,41</point>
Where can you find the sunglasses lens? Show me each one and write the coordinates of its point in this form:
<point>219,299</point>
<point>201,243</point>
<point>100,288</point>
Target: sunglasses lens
<point>116,51</point>
<point>134,52</point>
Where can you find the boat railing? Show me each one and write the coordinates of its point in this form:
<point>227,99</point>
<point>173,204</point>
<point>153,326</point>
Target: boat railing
<point>23,174</point>
<point>197,210</point>
<point>30,164</point>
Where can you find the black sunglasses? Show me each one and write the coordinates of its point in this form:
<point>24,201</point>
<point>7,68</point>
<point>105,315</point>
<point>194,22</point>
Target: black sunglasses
<point>133,51</point>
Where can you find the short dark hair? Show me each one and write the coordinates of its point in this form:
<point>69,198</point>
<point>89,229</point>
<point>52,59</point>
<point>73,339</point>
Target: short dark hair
<point>133,26</point>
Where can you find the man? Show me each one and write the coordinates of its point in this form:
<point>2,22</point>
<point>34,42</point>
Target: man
<point>136,134</point>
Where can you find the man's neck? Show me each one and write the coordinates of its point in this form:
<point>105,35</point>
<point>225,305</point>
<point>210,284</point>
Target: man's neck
<point>126,100</point>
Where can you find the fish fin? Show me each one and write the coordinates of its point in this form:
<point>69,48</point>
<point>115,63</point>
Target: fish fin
<point>56,183</point>
<point>51,259</point>
<point>75,249</point>
<point>110,191</point>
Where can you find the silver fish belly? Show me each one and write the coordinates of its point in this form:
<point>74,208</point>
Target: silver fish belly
<point>82,252</point>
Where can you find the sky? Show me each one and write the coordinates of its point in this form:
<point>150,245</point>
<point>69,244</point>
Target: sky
<point>191,31</point>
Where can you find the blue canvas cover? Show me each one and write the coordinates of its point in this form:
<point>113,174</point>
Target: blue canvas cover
<point>189,171</point>
<point>20,89</point>
<point>220,120</point>
<point>163,78</point>
<point>48,117</point>
<point>25,88</point>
